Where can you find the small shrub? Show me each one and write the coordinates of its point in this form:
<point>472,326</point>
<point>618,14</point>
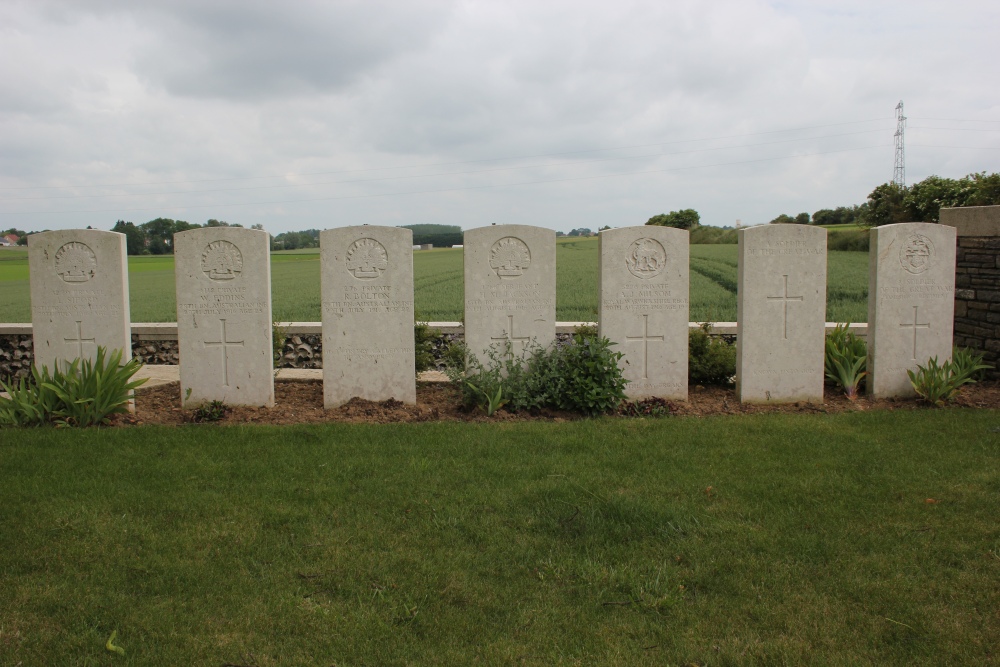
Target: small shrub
<point>210,412</point>
<point>582,376</point>
<point>423,341</point>
<point>969,364</point>
<point>846,359</point>
<point>86,393</point>
<point>32,401</point>
<point>278,336</point>
<point>590,380</point>
<point>710,360</point>
<point>647,407</point>
<point>938,384</point>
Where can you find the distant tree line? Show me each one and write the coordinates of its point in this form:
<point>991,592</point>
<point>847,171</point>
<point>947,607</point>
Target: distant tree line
<point>295,240</point>
<point>440,236</point>
<point>156,237</point>
<point>687,218</point>
<point>921,202</point>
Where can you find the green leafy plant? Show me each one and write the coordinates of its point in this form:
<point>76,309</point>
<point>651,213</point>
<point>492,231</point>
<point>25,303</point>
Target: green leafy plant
<point>590,379</point>
<point>90,391</point>
<point>969,364</point>
<point>86,392</point>
<point>490,402</point>
<point>423,340</point>
<point>938,384</point>
<point>711,360</point>
<point>31,401</point>
<point>653,406</point>
<point>210,412</point>
<point>846,359</point>
<point>581,376</point>
<point>278,336</point>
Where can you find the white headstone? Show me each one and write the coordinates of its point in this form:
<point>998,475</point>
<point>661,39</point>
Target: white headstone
<point>224,320</point>
<point>510,288</point>
<point>911,302</point>
<point>367,286</point>
<point>79,295</point>
<point>781,314</point>
<point>644,307</point>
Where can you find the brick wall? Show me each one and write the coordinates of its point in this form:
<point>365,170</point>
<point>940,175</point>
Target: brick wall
<point>977,280</point>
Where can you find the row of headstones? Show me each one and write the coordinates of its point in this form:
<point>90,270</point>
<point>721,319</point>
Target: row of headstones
<point>79,296</point>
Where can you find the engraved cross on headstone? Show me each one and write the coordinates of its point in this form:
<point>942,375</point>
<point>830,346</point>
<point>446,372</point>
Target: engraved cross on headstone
<point>784,299</point>
<point>80,340</point>
<point>644,338</point>
<point>510,337</point>
<point>915,326</point>
<point>225,344</point>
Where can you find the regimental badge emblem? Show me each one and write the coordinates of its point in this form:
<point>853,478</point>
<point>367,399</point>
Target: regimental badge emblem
<point>917,253</point>
<point>646,258</point>
<point>76,262</point>
<point>367,259</point>
<point>509,257</point>
<point>222,260</point>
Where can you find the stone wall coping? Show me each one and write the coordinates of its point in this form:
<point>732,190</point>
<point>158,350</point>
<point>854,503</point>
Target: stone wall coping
<point>973,220</point>
<point>168,330</point>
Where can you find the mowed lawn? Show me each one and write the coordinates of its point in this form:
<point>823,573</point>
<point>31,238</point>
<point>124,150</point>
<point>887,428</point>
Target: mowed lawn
<point>438,284</point>
<point>852,539</point>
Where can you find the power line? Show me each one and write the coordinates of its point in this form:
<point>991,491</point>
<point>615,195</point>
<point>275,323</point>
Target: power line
<point>448,164</point>
<point>444,190</point>
<point>448,173</point>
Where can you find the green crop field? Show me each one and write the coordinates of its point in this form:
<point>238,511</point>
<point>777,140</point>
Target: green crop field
<point>295,284</point>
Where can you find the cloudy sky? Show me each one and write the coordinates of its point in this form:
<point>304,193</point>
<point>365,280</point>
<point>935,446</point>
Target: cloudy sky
<point>561,114</point>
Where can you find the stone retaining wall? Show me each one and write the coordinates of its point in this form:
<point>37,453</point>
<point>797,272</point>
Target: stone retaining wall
<point>977,280</point>
<point>156,343</point>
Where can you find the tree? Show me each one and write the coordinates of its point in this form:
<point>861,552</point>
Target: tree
<point>687,218</point>
<point>885,205</point>
<point>802,219</point>
<point>783,219</point>
<point>135,238</point>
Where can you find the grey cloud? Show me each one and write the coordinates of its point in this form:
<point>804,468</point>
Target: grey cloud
<point>249,51</point>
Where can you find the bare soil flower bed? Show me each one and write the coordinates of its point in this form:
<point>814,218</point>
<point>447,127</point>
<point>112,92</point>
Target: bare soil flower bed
<point>302,403</point>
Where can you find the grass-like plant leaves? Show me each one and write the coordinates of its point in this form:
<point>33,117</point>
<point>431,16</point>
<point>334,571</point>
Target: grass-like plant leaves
<point>31,402</point>
<point>938,384</point>
<point>846,359</point>
<point>85,393</point>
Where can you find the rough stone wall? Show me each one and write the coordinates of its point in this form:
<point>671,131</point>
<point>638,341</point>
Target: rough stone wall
<point>299,351</point>
<point>977,297</point>
<point>16,356</point>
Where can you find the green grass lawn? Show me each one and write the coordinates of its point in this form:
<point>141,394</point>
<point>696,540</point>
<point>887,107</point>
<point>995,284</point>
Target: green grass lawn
<point>784,540</point>
<point>295,284</point>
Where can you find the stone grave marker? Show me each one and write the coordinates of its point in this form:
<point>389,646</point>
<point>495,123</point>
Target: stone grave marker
<point>510,288</point>
<point>911,302</point>
<point>223,277</point>
<point>644,307</point>
<point>79,295</point>
<point>781,314</point>
<point>367,286</point>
